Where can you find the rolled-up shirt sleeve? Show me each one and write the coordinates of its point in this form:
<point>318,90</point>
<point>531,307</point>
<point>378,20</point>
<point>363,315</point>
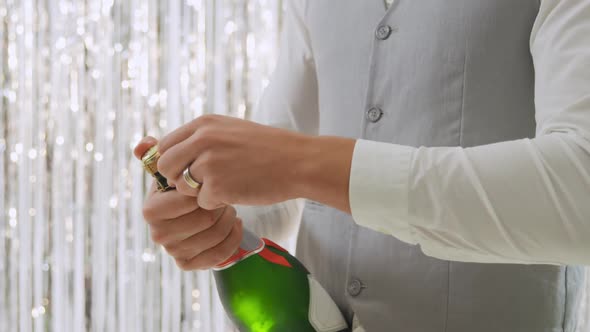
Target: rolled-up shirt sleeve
<point>523,201</point>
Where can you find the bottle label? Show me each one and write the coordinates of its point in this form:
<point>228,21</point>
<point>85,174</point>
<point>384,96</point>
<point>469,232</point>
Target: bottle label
<point>273,257</point>
<point>252,245</point>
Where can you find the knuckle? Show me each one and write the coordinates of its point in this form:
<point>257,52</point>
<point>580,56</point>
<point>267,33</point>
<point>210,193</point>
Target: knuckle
<point>196,170</point>
<point>204,137</point>
<point>216,258</point>
<point>219,214</point>
<point>231,212</point>
<point>206,158</point>
<point>184,189</point>
<point>158,236</point>
<point>174,250</point>
<point>183,264</point>
<point>208,220</point>
<point>205,120</point>
<point>196,137</point>
<point>181,187</point>
<point>202,120</point>
<point>164,144</point>
<point>219,256</point>
<point>217,235</point>
<point>212,117</point>
<point>228,225</point>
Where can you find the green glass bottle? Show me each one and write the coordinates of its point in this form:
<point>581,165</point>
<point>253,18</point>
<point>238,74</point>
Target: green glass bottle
<point>265,289</point>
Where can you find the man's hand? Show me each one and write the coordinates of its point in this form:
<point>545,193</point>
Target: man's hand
<point>241,162</point>
<point>195,237</point>
<point>237,161</point>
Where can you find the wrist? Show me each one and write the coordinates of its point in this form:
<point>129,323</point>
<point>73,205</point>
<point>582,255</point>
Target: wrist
<point>323,170</point>
<point>298,168</point>
<point>306,166</point>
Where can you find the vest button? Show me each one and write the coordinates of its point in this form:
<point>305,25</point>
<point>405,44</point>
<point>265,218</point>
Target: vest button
<point>383,32</point>
<point>374,114</point>
<point>355,287</point>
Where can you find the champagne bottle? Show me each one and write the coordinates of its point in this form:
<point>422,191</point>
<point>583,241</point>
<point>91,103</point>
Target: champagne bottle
<point>263,288</point>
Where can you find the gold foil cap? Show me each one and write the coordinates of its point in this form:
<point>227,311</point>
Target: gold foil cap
<point>150,164</point>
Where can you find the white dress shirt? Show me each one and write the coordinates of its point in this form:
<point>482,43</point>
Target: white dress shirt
<point>518,201</point>
<point>523,201</point>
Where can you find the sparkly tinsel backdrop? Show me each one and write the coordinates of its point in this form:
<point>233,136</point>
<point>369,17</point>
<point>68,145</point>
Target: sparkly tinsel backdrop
<point>81,81</point>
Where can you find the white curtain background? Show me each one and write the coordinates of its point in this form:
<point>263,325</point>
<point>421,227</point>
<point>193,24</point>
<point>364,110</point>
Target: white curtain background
<point>81,82</point>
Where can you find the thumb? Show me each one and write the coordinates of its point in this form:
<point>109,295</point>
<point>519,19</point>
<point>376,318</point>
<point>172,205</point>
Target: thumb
<point>207,200</point>
<point>143,146</point>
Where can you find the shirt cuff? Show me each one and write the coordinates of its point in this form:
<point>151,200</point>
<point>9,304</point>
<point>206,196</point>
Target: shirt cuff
<point>378,192</point>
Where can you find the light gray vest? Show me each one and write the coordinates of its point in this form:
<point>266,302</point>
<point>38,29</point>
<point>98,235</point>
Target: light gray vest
<point>451,73</point>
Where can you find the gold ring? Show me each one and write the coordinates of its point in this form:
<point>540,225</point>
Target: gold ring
<point>189,179</point>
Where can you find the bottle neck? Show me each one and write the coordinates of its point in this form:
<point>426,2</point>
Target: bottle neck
<point>251,245</point>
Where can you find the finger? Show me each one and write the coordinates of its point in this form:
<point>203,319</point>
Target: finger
<point>205,240</point>
<point>216,255</point>
<point>181,184</point>
<point>163,206</point>
<point>176,136</point>
<point>185,131</point>
<point>196,172</point>
<point>143,146</point>
<point>176,159</point>
<point>183,227</point>
<point>206,198</point>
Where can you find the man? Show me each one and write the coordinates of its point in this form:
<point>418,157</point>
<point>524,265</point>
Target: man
<point>449,172</point>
